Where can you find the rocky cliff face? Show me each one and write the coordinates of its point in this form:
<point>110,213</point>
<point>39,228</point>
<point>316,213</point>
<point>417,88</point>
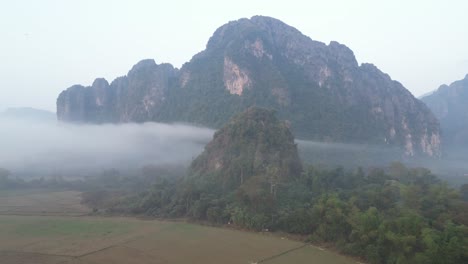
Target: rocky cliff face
<point>450,105</point>
<point>136,97</point>
<point>320,89</point>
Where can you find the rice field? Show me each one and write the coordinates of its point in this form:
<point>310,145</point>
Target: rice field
<point>43,236</point>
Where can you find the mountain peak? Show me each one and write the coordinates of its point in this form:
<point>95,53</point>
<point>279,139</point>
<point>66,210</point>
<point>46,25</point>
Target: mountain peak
<point>100,82</point>
<point>264,27</point>
<point>266,19</point>
<point>143,64</point>
<point>343,54</point>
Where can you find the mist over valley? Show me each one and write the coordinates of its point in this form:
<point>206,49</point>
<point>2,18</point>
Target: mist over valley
<point>266,146</point>
<point>34,149</point>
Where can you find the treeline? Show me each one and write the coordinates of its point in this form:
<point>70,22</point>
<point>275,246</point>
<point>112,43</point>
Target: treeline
<point>7,182</point>
<point>397,215</point>
<point>391,215</point>
<point>108,180</point>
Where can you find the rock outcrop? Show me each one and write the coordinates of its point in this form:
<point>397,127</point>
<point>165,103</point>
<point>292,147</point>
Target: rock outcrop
<point>136,97</point>
<point>254,147</point>
<point>320,89</point>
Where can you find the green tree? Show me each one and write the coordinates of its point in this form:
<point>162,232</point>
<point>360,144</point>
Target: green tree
<point>464,192</point>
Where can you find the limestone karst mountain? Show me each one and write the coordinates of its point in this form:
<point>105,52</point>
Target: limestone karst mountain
<point>320,89</point>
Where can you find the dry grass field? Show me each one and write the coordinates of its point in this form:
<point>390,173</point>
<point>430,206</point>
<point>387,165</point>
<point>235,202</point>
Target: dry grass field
<point>44,236</point>
<point>41,202</point>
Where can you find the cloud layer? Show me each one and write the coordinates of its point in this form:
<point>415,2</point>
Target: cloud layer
<point>44,148</point>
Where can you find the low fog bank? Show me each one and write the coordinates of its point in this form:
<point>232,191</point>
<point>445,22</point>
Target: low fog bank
<point>32,149</point>
<point>347,155</point>
<point>452,166</point>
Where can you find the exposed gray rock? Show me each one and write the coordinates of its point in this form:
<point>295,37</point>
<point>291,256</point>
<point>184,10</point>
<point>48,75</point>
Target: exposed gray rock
<point>135,97</point>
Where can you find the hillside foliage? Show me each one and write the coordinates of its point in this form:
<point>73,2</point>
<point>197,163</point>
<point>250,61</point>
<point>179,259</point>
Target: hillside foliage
<point>250,176</point>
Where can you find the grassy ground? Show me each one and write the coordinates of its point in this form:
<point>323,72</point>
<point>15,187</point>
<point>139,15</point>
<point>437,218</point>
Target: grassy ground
<point>56,226</point>
<point>88,239</point>
<point>41,202</point>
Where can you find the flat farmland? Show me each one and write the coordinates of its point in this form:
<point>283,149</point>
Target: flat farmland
<point>51,239</point>
<point>41,202</point>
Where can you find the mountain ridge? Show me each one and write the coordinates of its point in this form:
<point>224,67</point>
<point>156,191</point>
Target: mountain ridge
<point>28,114</point>
<point>320,89</point>
<point>449,103</point>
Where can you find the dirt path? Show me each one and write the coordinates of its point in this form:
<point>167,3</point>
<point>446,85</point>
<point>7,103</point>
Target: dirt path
<point>280,254</point>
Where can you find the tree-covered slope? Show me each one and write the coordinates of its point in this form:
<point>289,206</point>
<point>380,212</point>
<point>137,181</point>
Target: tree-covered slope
<point>253,148</point>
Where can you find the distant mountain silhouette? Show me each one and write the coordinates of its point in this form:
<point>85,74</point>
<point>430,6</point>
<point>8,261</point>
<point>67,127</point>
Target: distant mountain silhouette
<point>29,114</point>
<point>450,105</point>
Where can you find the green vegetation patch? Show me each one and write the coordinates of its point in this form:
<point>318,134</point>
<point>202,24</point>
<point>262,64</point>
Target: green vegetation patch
<point>45,226</point>
<point>20,192</point>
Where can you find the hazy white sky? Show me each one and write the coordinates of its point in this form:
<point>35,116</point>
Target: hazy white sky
<point>49,45</point>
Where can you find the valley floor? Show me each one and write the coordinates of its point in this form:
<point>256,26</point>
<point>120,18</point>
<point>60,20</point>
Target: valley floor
<point>34,231</point>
